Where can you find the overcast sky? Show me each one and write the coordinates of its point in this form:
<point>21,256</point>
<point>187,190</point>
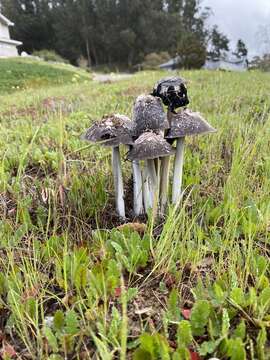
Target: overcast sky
<point>240,19</point>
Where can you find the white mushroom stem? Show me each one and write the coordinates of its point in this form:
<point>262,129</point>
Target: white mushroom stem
<point>146,190</point>
<point>164,182</point>
<point>118,182</point>
<point>153,180</point>
<point>178,171</point>
<point>137,188</point>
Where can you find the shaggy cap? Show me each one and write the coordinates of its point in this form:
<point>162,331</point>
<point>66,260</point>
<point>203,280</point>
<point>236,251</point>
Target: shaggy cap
<point>187,122</point>
<point>149,146</point>
<point>112,130</point>
<point>172,91</point>
<point>148,114</point>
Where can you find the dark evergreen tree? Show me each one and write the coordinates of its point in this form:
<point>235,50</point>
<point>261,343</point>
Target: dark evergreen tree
<point>241,49</point>
<point>111,31</point>
<point>218,43</point>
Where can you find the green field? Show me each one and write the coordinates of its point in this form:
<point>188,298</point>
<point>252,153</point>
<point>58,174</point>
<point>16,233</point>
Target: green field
<point>21,74</point>
<point>74,286</point>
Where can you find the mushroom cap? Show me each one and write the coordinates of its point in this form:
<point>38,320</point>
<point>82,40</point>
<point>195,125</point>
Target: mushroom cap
<point>148,114</point>
<point>112,130</point>
<point>187,122</point>
<point>149,146</point>
<point>172,91</point>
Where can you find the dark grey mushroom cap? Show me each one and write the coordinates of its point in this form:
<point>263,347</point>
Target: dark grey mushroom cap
<point>150,146</point>
<point>187,122</point>
<point>149,115</point>
<point>112,130</point>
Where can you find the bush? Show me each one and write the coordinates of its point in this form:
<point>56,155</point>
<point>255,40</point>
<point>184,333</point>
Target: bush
<point>49,55</point>
<point>261,63</point>
<point>153,60</point>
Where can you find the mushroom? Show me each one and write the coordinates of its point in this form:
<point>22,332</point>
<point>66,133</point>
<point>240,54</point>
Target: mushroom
<point>113,130</point>
<point>184,123</point>
<point>150,146</point>
<point>148,115</point>
<point>172,91</point>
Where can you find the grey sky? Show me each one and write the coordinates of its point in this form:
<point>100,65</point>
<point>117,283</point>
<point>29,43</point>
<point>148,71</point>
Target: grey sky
<point>240,19</point>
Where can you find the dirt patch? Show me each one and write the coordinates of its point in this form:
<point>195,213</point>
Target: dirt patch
<point>110,78</point>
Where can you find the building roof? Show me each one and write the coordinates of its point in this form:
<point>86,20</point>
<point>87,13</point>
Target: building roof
<point>9,41</point>
<point>5,20</point>
<point>171,63</point>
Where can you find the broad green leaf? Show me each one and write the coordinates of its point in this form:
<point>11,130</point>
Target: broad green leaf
<point>200,316</point>
<point>184,333</point>
<point>240,330</point>
<point>236,349</point>
<point>52,341</point>
<point>173,307</point>
<point>219,295</point>
<point>147,343</point>
<point>238,297</point>
<point>208,347</point>
<point>264,299</point>
<point>181,353</point>
<point>140,354</point>
<point>261,341</point>
<point>58,320</point>
<point>72,323</point>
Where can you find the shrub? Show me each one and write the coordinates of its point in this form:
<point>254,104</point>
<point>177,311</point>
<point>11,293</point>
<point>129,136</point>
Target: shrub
<point>153,60</point>
<point>49,55</point>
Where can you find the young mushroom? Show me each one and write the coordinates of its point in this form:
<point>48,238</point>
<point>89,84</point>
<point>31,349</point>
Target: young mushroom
<point>148,115</point>
<point>173,93</point>
<point>112,131</point>
<point>184,123</point>
<point>150,146</point>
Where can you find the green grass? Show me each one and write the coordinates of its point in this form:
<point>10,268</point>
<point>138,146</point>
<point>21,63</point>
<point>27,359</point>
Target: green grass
<point>21,73</point>
<point>73,286</point>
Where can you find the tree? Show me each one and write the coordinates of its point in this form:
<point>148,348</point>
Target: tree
<point>218,43</point>
<point>241,49</point>
<point>121,32</point>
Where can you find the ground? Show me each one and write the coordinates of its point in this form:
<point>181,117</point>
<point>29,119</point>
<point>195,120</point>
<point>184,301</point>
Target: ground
<point>75,285</point>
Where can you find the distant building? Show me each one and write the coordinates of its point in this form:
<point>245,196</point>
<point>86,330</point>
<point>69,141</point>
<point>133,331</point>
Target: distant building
<point>228,63</point>
<point>8,47</point>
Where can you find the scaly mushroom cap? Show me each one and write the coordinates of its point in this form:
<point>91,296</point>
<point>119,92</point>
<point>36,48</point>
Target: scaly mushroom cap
<point>150,146</point>
<point>112,130</point>
<point>172,91</point>
<point>187,122</point>
<point>148,115</point>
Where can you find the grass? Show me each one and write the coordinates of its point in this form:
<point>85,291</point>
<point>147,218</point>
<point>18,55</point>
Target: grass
<point>20,74</point>
<point>73,285</point>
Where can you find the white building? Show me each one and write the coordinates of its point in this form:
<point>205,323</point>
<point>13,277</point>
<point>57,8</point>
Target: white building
<point>8,47</point>
<point>227,62</point>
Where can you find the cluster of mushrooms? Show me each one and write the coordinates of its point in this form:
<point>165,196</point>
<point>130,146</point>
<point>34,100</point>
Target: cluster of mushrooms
<point>149,137</point>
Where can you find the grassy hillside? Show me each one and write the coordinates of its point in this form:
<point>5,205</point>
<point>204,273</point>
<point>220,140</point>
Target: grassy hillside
<point>22,73</point>
<point>75,286</point>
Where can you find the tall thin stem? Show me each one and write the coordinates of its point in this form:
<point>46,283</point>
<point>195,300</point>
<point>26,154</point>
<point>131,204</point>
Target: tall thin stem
<point>118,182</point>
<point>153,179</point>
<point>178,171</point>
<point>146,189</point>
<point>164,182</point>
<point>137,188</point>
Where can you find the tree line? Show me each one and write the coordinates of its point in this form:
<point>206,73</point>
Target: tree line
<point>116,31</point>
